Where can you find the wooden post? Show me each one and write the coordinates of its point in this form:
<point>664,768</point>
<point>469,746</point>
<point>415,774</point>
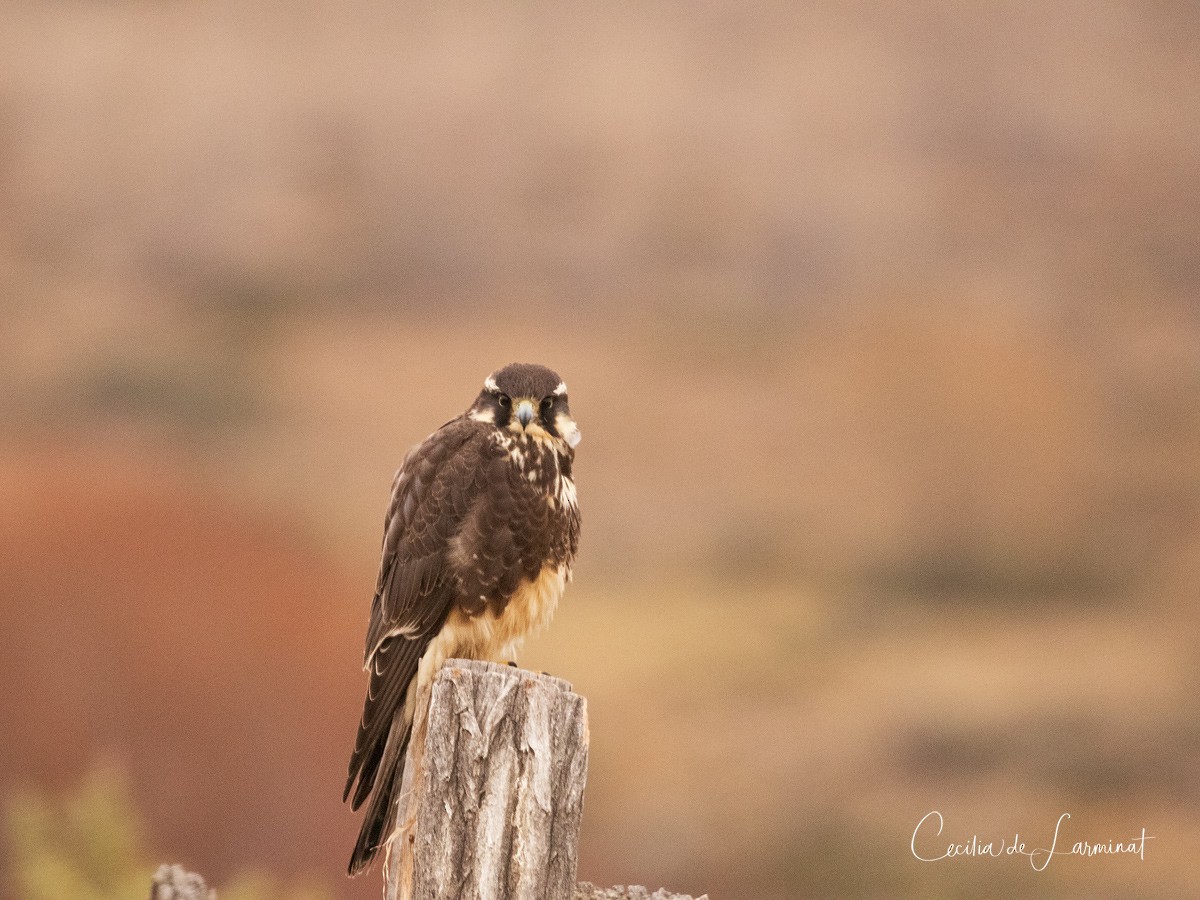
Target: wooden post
<point>174,883</point>
<point>492,795</point>
<point>587,891</point>
<point>496,789</point>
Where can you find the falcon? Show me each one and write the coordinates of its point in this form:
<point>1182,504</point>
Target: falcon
<point>478,543</point>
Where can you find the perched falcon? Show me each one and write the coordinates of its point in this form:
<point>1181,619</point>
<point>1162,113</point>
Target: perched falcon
<point>478,542</point>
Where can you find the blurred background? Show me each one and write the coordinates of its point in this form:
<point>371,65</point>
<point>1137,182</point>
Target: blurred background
<point>882,325</point>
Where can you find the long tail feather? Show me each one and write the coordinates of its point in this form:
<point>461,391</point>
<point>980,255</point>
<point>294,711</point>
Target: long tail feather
<point>380,817</point>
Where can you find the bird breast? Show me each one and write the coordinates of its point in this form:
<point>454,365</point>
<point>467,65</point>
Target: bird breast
<point>497,635</point>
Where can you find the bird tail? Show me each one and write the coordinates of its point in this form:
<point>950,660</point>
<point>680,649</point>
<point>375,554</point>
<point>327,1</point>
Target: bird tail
<point>380,818</point>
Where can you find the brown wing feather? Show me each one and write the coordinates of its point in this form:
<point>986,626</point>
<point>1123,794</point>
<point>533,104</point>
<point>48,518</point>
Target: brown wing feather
<point>431,496</point>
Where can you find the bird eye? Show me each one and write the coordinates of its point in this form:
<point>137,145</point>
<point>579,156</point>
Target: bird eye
<point>547,404</point>
<point>504,400</point>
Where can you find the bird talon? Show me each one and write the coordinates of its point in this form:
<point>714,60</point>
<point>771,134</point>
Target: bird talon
<point>512,663</point>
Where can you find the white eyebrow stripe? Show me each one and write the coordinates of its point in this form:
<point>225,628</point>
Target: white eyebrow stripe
<point>561,389</point>
<point>489,383</point>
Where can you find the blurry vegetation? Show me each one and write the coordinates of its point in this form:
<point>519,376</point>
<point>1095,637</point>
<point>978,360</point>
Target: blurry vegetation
<point>882,333</point>
<point>87,845</point>
<point>90,844</point>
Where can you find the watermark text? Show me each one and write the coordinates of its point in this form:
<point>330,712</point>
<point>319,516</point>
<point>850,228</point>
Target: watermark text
<point>928,845</point>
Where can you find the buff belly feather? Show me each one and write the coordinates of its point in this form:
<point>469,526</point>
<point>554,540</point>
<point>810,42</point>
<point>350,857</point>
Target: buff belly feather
<point>488,636</point>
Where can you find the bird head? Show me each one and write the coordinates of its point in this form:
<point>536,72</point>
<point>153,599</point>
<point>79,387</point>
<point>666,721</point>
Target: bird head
<point>528,400</point>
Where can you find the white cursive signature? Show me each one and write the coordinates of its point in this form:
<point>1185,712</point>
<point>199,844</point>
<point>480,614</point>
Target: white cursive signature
<point>1039,858</point>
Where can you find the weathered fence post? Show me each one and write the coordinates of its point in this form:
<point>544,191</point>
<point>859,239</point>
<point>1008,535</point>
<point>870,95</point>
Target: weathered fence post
<point>496,789</point>
<point>492,796</point>
<point>174,883</point>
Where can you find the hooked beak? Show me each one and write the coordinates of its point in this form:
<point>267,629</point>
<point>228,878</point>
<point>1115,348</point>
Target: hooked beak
<point>524,413</point>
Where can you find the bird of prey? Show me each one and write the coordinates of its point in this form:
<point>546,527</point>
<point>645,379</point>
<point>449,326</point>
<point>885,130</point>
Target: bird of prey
<point>478,543</point>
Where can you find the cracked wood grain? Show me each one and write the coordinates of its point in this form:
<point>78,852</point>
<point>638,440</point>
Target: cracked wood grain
<point>497,770</point>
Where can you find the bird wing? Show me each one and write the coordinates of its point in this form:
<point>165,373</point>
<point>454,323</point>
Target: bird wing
<point>431,496</point>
